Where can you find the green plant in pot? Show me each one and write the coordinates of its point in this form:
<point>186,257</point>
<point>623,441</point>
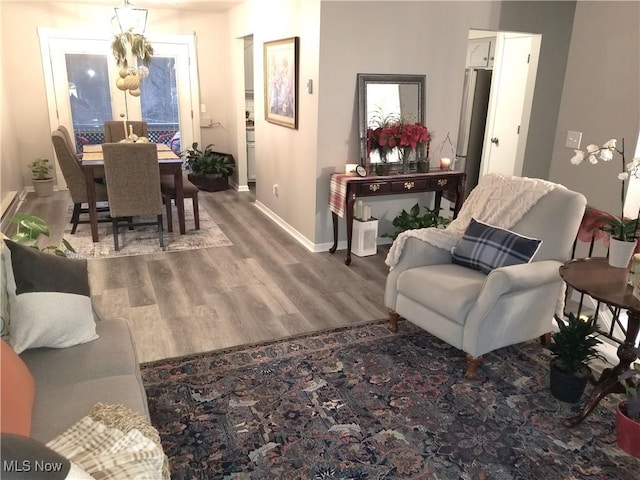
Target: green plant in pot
<point>574,346</point>
<point>628,411</point>
<point>414,219</point>
<point>29,228</point>
<point>41,177</point>
<point>210,170</point>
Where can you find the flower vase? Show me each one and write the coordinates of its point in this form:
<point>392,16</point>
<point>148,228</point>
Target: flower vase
<point>627,431</point>
<point>406,155</point>
<point>620,252</point>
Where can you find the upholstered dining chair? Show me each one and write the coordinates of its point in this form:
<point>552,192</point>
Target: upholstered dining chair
<point>133,184</point>
<point>168,188</point>
<point>114,130</point>
<point>75,179</point>
<point>491,278</point>
<point>70,142</point>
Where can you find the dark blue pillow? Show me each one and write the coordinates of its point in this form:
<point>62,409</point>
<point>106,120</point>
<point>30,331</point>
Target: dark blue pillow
<point>484,247</point>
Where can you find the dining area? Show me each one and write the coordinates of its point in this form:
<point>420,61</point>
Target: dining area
<point>128,177</point>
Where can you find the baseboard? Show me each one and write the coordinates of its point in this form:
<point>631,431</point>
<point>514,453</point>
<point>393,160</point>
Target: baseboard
<point>10,206</point>
<point>304,241</point>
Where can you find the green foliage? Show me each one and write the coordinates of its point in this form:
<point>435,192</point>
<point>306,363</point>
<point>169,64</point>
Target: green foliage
<point>41,168</point>
<point>29,229</point>
<point>140,47</point>
<point>574,345</point>
<point>414,219</point>
<point>630,380</point>
<point>208,162</point>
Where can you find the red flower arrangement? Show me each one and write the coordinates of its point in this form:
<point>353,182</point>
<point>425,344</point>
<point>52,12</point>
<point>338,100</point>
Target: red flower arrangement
<point>402,135</point>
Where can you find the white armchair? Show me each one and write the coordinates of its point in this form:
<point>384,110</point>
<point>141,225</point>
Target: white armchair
<point>478,312</point>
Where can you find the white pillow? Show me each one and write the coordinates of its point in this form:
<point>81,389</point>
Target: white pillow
<point>49,299</point>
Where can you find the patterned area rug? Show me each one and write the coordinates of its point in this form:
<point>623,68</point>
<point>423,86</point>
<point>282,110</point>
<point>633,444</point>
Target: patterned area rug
<point>364,403</point>
<point>143,240</point>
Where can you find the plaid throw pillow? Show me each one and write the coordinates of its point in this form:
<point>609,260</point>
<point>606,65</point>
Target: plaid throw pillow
<point>484,247</point>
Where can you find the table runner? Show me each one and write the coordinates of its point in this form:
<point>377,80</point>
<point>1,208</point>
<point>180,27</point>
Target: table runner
<point>338,192</point>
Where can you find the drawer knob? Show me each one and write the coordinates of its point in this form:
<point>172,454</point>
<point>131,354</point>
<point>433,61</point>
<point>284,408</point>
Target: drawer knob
<point>409,185</point>
<point>442,182</point>
<point>374,187</point>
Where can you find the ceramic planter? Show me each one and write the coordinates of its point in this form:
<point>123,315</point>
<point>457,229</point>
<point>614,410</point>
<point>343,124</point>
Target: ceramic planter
<point>209,183</point>
<point>43,188</point>
<point>567,387</point>
<point>620,252</point>
<point>628,431</point>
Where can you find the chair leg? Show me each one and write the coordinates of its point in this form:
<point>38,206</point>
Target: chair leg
<point>114,224</point>
<point>393,320</point>
<point>130,220</point>
<point>167,201</point>
<point>545,339</point>
<point>160,233</point>
<point>472,365</point>
<point>196,213</point>
<point>75,217</point>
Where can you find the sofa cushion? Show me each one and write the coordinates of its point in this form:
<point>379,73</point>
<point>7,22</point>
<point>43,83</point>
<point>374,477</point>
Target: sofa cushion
<point>57,408</point>
<point>484,247</point>
<point>19,457</point>
<point>112,354</point>
<point>448,289</point>
<point>17,392</point>
<point>49,299</point>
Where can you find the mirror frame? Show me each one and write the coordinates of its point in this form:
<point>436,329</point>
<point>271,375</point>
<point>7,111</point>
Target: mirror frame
<point>365,79</point>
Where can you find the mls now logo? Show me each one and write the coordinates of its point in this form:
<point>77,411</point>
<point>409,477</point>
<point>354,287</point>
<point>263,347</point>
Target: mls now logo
<point>31,466</point>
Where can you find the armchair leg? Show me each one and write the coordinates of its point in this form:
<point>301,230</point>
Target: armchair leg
<point>545,339</point>
<point>472,366</point>
<point>393,320</point>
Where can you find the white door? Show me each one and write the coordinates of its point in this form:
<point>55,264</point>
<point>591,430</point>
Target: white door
<point>80,75</point>
<point>510,104</point>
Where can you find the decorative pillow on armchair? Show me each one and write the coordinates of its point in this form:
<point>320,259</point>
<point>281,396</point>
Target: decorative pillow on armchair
<point>485,247</point>
<point>49,299</point>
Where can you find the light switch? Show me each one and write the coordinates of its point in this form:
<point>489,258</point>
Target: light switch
<point>203,108</point>
<point>573,139</point>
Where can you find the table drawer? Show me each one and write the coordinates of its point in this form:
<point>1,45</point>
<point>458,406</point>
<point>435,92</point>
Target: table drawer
<point>372,188</point>
<point>441,184</point>
<point>413,185</point>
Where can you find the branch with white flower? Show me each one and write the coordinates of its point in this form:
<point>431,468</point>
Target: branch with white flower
<point>618,227</point>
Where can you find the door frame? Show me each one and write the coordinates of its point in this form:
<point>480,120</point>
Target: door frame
<point>191,131</point>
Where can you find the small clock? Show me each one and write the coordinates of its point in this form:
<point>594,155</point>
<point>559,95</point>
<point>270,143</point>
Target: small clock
<point>360,170</point>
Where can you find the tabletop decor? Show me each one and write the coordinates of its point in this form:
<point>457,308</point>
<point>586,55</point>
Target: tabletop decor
<point>623,231</point>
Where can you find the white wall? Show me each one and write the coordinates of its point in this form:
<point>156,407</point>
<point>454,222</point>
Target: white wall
<point>25,127</point>
<point>601,97</point>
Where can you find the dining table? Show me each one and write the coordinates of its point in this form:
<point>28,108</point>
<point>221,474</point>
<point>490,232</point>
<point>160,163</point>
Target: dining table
<point>93,167</point>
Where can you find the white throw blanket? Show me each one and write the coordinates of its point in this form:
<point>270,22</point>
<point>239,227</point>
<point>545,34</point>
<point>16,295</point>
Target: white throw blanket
<point>499,200</point>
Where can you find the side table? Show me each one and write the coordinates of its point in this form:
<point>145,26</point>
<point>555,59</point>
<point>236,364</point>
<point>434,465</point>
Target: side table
<point>594,277</point>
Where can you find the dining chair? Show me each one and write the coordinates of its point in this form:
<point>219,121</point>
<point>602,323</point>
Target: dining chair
<point>114,130</point>
<point>70,142</point>
<point>168,188</point>
<point>133,185</point>
<point>75,179</point>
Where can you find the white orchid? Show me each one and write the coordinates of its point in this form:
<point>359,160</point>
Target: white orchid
<point>619,227</point>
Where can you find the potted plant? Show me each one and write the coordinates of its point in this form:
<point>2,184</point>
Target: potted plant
<point>41,177</point>
<point>628,411</point>
<point>28,231</point>
<point>414,219</point>
<point>623,231</point>
<point>209,170</point>
<point>573,347</point>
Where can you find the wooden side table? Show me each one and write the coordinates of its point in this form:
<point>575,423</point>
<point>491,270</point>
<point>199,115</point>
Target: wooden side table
<point>608,285</point>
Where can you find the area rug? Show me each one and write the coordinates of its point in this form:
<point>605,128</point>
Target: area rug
<point>144,240</point>
<point>364,403</point>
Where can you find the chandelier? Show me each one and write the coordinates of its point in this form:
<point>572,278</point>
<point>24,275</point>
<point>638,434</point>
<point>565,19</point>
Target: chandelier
<point>130,19</point>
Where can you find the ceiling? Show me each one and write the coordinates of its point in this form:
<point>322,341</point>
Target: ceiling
<point>195,5</point>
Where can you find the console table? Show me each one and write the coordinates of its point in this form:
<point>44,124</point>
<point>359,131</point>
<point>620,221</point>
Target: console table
<point>608,285</point>
<point>346,187</point>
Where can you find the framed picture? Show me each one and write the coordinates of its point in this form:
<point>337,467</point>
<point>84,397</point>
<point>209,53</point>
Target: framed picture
<point>281,82</point>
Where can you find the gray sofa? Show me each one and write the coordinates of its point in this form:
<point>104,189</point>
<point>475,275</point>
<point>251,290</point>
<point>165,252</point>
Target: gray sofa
<point>70,381</point>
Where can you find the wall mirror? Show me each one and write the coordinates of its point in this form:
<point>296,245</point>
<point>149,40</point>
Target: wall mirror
<point>388,96</point>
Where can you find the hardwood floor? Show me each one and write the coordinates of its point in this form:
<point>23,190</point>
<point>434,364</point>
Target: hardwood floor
<point>265,287</point>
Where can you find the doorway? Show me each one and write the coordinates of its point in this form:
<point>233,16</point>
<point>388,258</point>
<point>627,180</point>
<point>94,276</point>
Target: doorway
<point>249,111</point>
<point>495,114</point>
<point>80,79</point>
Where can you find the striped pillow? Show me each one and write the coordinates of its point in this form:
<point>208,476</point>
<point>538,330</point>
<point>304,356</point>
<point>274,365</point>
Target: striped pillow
<point>484,247</point>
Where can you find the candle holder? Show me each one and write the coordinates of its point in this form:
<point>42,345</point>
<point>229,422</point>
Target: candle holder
<point>447,162</point>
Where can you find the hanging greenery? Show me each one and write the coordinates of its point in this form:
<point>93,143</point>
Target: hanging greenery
<point>139,47</point>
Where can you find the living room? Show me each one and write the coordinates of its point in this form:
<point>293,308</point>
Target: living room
<point>587,82</point>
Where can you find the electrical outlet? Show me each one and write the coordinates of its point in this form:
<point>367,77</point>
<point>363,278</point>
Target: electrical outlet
<point>203,108</point>
<point>275,190</point>
<point>573,139</point>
